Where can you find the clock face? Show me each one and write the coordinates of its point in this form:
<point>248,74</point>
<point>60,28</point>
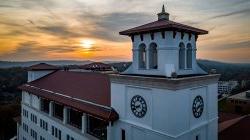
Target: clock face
<point>138,106</point>
<point>198,106</point>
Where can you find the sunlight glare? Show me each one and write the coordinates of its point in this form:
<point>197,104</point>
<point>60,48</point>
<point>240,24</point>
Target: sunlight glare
<point>87,43</point>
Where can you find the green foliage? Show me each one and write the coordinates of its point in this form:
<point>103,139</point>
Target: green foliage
<point>11,78</point>
<point>7,124</point>
<point>228,71</point>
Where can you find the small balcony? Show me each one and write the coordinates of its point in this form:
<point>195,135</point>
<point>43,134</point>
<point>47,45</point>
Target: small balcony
<point>58,111</point>
<point>75,118</point>
<point>45,105</point>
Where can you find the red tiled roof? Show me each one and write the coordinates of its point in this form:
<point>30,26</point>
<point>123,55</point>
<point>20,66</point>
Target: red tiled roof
<point>235,129</point>
<point>227,116</point>
<point>96,66</point>
<point>42,66</point>
<point>163,25</point>
<point>85,91</point>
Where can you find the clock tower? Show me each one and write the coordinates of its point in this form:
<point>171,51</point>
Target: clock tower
<point>164,94</point>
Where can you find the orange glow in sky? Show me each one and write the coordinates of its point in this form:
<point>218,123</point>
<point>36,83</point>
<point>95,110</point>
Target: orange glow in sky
<point>89,30</point>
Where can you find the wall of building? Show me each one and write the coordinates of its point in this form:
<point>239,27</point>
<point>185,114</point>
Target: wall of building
<point>168,54</point>
<point>169,113</point>
<point>31,104</point>
<point>225,87</point>
<point>238,106</point>
<point>33,75</point>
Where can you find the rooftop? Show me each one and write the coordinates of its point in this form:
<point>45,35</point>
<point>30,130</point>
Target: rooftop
<point>241,96</point>
<point>97,66</point>
<point>235,129</point>
<point>86,91</point>
<point>42,66</point>
<point>223,116</point>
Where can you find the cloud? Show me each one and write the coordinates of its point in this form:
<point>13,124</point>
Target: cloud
<point>31,49</point>
<point>243,11</point>
<point>237,45</point>
<point>107,26</point>
<point>59,31</point>
<point>5,6</point>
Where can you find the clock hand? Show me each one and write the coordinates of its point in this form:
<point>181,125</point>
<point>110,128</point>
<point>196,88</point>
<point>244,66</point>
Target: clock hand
<point>137,106</point>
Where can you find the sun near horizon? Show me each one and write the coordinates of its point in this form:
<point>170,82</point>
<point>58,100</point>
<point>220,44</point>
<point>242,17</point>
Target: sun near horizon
<point>89,30</point>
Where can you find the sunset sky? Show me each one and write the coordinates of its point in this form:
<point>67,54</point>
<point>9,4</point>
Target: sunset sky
<point>89,29</point>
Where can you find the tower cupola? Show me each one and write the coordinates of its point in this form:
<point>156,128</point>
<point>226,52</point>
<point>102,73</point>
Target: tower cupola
<point>164,48</point>
<point>163,15</point>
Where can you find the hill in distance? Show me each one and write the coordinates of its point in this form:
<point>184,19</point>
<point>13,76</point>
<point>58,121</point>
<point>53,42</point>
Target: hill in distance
<point>229,71</point>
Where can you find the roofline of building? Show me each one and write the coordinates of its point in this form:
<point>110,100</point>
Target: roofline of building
<point>129,33</point>
<point>113,115</point>
<point>164,83</point>
<point>134,31</point>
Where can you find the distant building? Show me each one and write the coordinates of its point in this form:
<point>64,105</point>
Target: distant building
<point>239,103</point>
<point>163,95</point>
<point>97,66</point>
<point>40,70</point>
<point>225,87</point>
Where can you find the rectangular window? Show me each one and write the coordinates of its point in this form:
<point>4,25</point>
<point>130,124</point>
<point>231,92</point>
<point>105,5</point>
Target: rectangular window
<point>42,138</point>
<point>45,105</point>
<point>53,131</point>
<point>33,134</point>
<point>59,134</point>
<point>75,118</point>
<point>197,137</point>
<point>33,118</point>
<point>43,124</point>
<point>123,134</point>
<point>25,128</point>
<point>58,111</point>
<point>56,132</point>
<point>69,137</point>
<point>97,127</point>
<point>25,113</point>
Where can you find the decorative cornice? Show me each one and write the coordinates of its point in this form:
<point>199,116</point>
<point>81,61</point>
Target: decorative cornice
<point>164,83</point>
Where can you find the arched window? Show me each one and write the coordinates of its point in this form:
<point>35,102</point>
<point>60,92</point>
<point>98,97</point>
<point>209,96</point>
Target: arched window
<point>153,60</point>
<point>142,56</point>
<point>189,56</point>
<point>181,56</point>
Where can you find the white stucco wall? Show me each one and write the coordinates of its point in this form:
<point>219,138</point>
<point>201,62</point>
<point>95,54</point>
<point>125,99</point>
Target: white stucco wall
<point>30,103</point>
<point>168,54</point>
<point>26,97</point>
<point>169,115</point>
<point>33,75</point>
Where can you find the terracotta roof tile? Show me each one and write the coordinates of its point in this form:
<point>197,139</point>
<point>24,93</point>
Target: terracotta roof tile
<point>163,25</point>
<point>86,91</point>
<point>235,129</point>
<point>227,116</point>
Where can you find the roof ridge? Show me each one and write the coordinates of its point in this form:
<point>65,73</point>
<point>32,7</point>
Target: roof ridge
<point>162,24</point>
<point>38,79</point>
<point>229,123</point>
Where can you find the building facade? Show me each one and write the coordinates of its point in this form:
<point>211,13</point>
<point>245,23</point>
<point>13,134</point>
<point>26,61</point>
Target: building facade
<point>239,103</point>
<point>225,87</point>
<point>163,95</point>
